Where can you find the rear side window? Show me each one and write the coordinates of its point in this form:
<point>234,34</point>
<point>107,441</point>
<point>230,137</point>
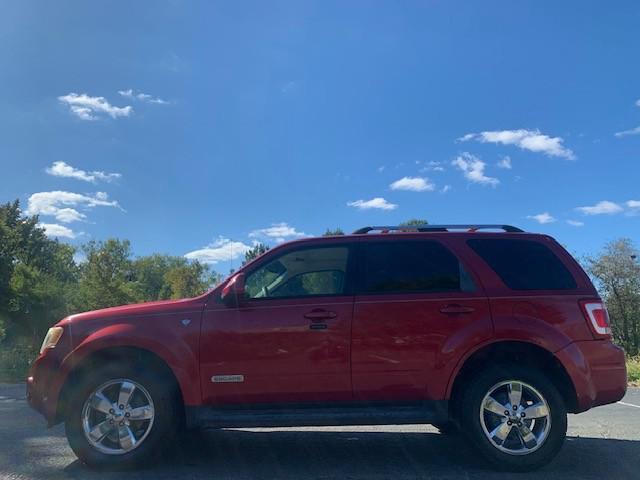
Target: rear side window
<point>524,264</point>
<point>414,266</point>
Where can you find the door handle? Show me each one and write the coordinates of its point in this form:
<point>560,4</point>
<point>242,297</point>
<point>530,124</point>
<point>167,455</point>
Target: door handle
<point>319,315</point>
<point>456,309</point>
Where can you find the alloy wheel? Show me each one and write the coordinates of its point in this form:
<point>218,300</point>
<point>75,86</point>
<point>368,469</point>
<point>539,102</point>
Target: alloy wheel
<point>515,417</point>
<point>117,416</point>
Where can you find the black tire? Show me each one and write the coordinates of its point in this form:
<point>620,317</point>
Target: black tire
<point>471,400</point>
<point>448,428</point>
<point>163,428</point>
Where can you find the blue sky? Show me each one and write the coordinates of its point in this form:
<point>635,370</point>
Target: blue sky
<point>201,128</point>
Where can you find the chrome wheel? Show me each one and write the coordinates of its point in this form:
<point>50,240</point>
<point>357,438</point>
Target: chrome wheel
<point>515,417</point>
<point>117,416</point>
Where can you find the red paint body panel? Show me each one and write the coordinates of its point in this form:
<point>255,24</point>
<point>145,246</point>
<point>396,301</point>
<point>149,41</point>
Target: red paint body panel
<point>155,327</point>
<point>280,356</point>
<point>393,347</point>
<point>551,322</point>
<point>404,347</point>
<point>598,371</point>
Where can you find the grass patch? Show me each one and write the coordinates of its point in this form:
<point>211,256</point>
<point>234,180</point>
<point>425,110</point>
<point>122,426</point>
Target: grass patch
<point>633,371</point>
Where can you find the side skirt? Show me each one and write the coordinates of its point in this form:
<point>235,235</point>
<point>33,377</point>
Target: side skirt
<point>309,415</point>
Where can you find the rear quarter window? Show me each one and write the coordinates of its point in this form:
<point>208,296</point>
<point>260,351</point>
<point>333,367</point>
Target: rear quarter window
<point>524,264</point>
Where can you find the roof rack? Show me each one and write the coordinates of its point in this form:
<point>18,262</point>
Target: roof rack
<point>439,228</point>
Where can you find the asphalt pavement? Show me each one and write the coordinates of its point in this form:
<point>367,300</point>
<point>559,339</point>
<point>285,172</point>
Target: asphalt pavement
<point>602,444</point>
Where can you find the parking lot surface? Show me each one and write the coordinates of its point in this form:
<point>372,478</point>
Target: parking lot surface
<point>603,444</point>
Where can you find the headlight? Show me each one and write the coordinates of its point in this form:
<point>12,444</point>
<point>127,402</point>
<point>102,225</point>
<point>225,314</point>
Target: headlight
<point>51,338</point>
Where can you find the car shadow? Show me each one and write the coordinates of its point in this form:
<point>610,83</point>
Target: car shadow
<point>289,454</point>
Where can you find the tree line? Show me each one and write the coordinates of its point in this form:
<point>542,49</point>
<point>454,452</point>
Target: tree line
<point>616,274</point>
<point>42,281</point>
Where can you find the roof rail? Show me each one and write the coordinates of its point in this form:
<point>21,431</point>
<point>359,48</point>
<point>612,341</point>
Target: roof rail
<point>439,228</point>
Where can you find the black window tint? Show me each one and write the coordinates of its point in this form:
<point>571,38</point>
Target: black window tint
<point>524,264</point>
<point>413,266</point>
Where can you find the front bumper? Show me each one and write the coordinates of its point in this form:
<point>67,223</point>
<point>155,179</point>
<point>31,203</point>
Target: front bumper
<point>44,384</point>
<point>598,371</point>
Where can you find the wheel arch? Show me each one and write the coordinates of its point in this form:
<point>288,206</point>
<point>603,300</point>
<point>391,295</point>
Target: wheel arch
<point>505,351</point>
<point>126,354</point>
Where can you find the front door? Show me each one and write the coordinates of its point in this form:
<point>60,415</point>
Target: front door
<point>290,339</point>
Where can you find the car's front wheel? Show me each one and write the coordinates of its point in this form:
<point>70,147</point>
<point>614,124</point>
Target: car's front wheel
<point>119,417</point>
<point>515,416</point>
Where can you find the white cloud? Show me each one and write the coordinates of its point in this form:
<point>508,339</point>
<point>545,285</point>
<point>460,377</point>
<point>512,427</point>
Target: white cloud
<point>62,169</point>
<point>221,250</point>
<point>68,215</point>
<point>278,232</point>
<point>624,133</point>
<point>532,140</point>
<point>473,169</point>
<point>92,108</point>
<point>505,162</point>
<point>289,87</point>
<point>55,230</point>
<point>381,168</point>
<point>638,103</point>
<point>143,97</point>
<point>634,207</point>
<point>445,189</point>
<point>58,204</point>
<point>433,167</point>
<point>414,184</point>
<point>544,217</point>
<point>601,208</point>
<point>378,202</point>
<point>575,223</point>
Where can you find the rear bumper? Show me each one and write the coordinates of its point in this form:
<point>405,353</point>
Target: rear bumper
<point>598,371</point>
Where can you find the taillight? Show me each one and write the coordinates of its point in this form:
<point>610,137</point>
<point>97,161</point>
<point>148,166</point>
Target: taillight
<point>597,317</point>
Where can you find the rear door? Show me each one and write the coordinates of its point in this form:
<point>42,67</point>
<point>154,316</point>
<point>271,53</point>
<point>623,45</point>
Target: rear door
<point>416,309</point>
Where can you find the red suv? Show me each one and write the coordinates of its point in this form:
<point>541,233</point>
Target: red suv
<point>495,334</point>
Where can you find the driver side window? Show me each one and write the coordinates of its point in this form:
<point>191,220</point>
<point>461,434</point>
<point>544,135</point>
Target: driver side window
<point>300,273</point>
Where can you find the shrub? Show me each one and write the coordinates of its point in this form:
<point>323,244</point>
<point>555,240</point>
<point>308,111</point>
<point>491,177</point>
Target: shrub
<point>15,361</point>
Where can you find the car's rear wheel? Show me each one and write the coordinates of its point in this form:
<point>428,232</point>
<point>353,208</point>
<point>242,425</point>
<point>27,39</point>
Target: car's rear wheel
<point>119,417</point>
<point>515,416</point>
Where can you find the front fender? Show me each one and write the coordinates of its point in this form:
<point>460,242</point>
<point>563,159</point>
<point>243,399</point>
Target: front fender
<point>179,352</point>
<point>164,336</point>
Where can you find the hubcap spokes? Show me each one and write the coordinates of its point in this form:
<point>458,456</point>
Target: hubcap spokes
<point>515,417</point>
<point>117,416</point>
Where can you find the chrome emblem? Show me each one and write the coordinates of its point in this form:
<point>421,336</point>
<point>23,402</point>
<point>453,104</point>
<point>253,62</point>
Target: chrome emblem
<point>185,322</point>
<point>227,378</point>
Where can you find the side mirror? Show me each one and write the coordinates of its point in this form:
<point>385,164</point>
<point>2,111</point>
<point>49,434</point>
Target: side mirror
<point>233,292</point>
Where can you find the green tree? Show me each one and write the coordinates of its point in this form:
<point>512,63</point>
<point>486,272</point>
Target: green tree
<point>616,272</point>
<point>257,250</point>
<point>161,277</point>
<point>106,275</point>
<point>40,282</point>
<point>414,222</point>
<point>189,280</point>
<point>335,231</point>
<point>37,275</point>
<point>148,273</point>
